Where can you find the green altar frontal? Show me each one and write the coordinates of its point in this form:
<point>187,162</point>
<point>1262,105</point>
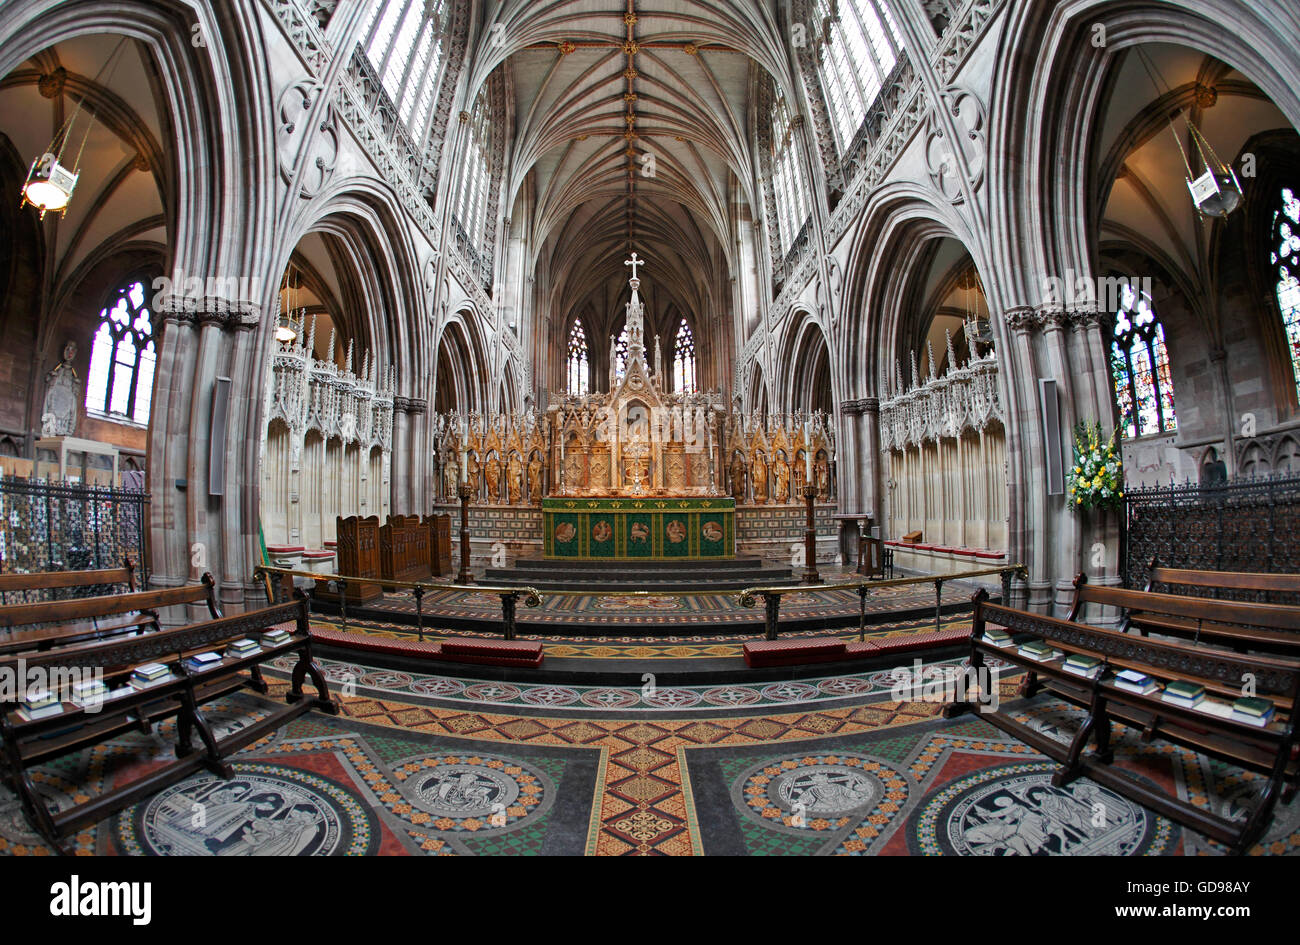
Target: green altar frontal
<point>648,529</point>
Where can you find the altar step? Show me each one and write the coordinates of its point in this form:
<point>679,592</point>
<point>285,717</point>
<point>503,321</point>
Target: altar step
<point>731,574</point>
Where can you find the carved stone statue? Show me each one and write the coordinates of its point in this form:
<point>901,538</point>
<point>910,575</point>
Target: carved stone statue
<point>472,464</point>
<point>782,482</point>
<point>515,479</point>
<point>59,415</point>
<point>493,469</point>
<point>760,479</point>
<point>535,481</point>
<point>738,477</point>
<point>800,474</point>
<point>451,476</point>
<point>822,471</point>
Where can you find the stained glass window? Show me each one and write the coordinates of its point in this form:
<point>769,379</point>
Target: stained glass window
<point>684,360</point>
<point>789,181</point>
<point>858,47</point>
<point>1286,257</point>
<point>404,40</point>
<point>579,378</point>
<point>1139,362</point>
<point>122,359</point>
<point>620,354</point>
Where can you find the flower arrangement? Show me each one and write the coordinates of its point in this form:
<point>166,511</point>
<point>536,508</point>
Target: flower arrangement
<point>1097,474</point>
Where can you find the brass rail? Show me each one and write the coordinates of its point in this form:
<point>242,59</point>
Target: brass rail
<point>747,598</point>
<point>772,595</point>
<point>509,595</point>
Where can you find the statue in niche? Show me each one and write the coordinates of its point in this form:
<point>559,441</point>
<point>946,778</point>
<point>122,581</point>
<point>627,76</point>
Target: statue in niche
<point>822,472</point>
<point>800,474</point>
<point>472,466</point>
<point>782,492</point>
<point>515,478</point>
<point>59,416</point>
<point>760,478</point>
<point>451,476</point>
<point>535,480</point>
<point>738,477</point>
<point>493,480</point>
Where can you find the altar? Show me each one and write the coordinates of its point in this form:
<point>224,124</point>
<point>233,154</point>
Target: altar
<point>646,529</point>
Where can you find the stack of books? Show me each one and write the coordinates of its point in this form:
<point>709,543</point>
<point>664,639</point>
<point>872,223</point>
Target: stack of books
<point>91,692</point>
<point>1130,680</point>
<point>200,661</point>
<point>39,704</point>
<point>1038,650</point>
<point>997,636</point>
<point>242,647</point>
<point>1185,694</point>
<point>148,674</point>
<point>275,636</point>
<point>1081,665</point>
<point>1253,711</point>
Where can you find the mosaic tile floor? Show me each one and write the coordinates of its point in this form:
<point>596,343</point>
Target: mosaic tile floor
<point>410,768</point>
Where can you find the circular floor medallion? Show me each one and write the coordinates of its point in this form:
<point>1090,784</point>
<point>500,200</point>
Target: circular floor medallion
<point>820,792</point>
<point>437,686</point>
<point>473,793</point>
<point>1014,810</point>
<point>264,810</point>
<point>732,696</point>
<point>492,692</point>
<point>550,696</point>
<point>611,698</point>
<point>845,686</point>
<point>790,692</point>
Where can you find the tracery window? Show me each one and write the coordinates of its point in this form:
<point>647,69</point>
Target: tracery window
<point>472,198</point>
<point>122,359</point>
<point>789,177</point>
<point>859,46</point>
<point>405,42</point>
<point>620,353</point>
<point>684,360</point>
<point>577,374</point>
<point>1139,359</point>
<point>1286,257</point>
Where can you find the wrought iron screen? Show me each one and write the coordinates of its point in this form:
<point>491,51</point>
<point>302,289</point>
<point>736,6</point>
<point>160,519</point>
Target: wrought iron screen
<point>1245,525</point>
<point>59,526</point>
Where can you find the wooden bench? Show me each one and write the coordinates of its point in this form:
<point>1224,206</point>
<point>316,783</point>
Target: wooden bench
<point>1258,586</point>
<point>60,623</point>
<point>1246,625</point>
<point>19,583</point>
<point>28,743</point>
<point>1270,750</point>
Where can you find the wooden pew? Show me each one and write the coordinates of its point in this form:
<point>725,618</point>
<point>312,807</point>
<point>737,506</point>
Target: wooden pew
<point>440,547</point>
<point>1247,625</point>
<point>84,618</point>
<point>1258,586</point>
<point>1270,750</point>
<point>29,743</point>
<point>55,581</point>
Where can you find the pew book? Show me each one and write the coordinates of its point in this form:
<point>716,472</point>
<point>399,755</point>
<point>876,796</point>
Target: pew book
<point>997,636</point>
<point>203,660</point>
<point>242,647</point>
<point>1185,694</point>
<point>148,674</point>
<point>39,705</point>
<point>275,637</point>
<point>1132,681</point>
<point>1039,651</point>
<point>89,692</point>
<point>1253,711</point>
<point>1082,665</point>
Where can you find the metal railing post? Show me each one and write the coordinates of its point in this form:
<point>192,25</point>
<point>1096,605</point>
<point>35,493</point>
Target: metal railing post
<point>508,614</point>
<point>772,613</point>
<point>863,590</point>
<point>418,591</point>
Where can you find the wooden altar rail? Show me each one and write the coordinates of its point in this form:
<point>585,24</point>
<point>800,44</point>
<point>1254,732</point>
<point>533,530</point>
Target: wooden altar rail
<point>772,595</point>
<point>509,595</point>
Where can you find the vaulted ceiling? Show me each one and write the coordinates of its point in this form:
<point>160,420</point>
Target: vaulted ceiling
<point>632,131</point>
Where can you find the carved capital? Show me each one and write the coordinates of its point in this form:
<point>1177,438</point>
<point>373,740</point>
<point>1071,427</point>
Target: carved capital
<point>1020,320</point>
